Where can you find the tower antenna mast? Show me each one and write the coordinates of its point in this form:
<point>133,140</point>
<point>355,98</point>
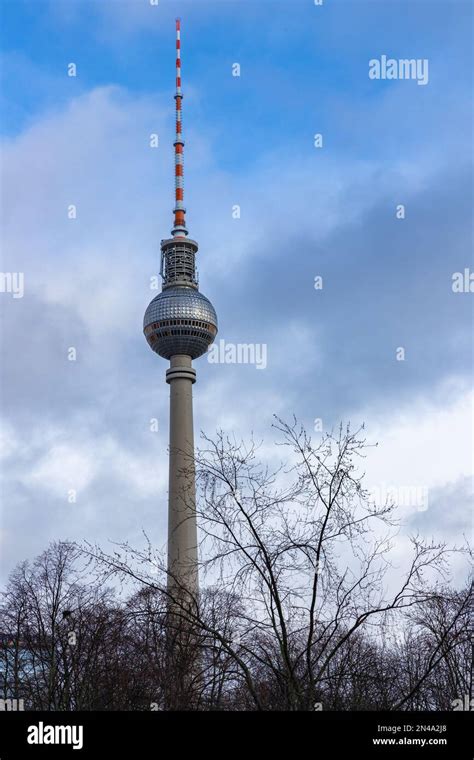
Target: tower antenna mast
<point>179,228</point>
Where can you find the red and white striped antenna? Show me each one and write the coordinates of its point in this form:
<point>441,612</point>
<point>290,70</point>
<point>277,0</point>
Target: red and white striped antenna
<point>179,211</point>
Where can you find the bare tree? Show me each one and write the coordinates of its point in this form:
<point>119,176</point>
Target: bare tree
<point>304,555</point>
<point>62,638</point>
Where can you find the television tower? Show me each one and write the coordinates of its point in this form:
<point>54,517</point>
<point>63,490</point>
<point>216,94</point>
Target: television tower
<point>179,324</point>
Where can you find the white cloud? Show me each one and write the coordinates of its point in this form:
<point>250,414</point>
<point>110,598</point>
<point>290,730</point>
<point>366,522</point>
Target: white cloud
<point>8,441</point>
<point>427,443</point>
<point>63,468</point>
<point>75,466</point>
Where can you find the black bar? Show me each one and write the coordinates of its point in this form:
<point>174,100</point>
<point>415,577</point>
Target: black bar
<point>161,734</point>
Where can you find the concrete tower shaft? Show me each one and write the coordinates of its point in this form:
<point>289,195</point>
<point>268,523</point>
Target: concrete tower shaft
<point>182,527</point>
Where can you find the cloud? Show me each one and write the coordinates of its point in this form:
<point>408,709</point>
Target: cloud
<point>450,513</point>
<point>85,424</point>
<point>63,468</point>
<point>425,445</point>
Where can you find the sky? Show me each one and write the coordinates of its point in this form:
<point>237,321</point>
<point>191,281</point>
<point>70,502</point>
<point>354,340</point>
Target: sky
<point>380,209</point>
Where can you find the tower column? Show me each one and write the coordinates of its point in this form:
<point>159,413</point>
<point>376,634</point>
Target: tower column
<point>182,527</point>
<point>180,324</point>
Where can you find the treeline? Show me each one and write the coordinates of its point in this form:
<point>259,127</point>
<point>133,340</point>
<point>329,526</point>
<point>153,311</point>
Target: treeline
<point>301,605</point>
<point>70,646</point>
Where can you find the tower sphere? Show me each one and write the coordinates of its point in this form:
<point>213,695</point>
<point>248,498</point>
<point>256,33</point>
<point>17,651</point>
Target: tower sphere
<point>180,320</point>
